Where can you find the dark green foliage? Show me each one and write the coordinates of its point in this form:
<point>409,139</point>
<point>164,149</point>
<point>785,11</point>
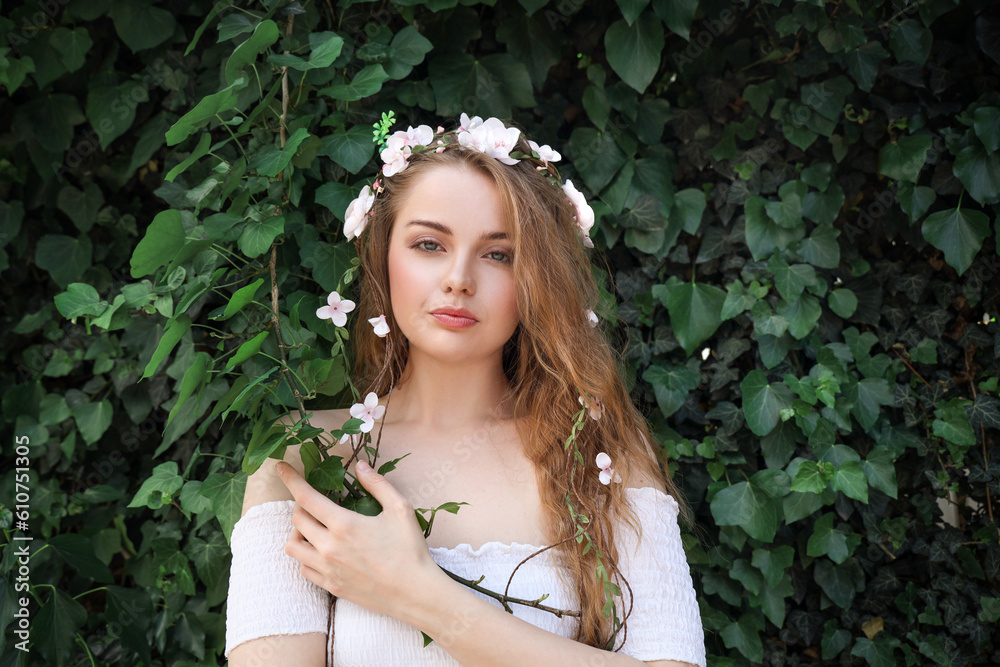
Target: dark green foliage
<point>798,200</point>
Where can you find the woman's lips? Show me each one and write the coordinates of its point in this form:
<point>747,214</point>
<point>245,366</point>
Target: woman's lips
<point>455,318</point>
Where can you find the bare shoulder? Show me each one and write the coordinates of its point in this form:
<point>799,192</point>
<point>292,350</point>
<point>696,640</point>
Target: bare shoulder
<point>264,485</point>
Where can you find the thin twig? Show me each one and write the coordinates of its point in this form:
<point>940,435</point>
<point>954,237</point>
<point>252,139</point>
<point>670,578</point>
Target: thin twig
<point>912,369</point>
<point>506,600</point>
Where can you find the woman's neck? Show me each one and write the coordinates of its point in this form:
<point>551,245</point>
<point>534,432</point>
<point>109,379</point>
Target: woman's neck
<point>445,396</point>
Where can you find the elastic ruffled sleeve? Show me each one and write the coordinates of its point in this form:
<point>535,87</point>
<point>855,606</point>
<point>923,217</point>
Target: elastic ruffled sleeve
<point>665,623</point>
<point>267,593</point>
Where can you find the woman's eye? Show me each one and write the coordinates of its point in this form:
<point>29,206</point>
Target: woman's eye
<point>499,256</point>
<point>428,246</point>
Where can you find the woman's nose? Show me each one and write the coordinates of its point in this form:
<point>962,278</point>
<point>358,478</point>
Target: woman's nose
<point>459,275</point>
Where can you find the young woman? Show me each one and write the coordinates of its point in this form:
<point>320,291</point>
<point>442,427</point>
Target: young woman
<point>473,252</point>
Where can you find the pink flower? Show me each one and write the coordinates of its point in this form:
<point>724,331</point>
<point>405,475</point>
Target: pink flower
<point>607,472</point>
<point>336,309</point>
<point>380,325</point>
<point>356,216</point>
<point>594,408</point>
<point>368,412</point>
<point>394,155</point>
<point>492,138</point>
<point>592,318</point>
<point>584,214</point>
<point>545,153</point>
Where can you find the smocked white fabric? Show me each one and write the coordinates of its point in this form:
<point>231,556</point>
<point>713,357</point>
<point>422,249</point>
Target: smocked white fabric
<point>665,623</point>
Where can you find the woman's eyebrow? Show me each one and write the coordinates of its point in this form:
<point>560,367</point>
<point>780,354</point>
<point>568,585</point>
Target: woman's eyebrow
<point>444,229</point>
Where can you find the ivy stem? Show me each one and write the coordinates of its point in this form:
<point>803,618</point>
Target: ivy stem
<point>506,600</point>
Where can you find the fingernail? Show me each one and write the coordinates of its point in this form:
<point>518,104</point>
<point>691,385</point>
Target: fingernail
<point>363,466</point>
<point>280,467</point>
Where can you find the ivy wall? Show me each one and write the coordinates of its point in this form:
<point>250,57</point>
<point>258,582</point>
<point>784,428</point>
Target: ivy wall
<point>798,211</point>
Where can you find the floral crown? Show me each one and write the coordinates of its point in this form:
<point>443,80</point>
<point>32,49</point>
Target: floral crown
<point>489,136</point>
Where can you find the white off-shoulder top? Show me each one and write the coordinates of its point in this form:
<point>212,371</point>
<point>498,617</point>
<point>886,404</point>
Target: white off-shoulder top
<point>665,623</point>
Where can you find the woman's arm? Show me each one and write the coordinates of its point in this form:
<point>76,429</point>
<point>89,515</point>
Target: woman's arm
<point>476,632</point>
<point>382,563</point>
<point>306,650</point>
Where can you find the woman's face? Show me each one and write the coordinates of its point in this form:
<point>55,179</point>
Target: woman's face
<point>451,281</point>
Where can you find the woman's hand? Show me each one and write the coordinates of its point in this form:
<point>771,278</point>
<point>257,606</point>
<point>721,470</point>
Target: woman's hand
<point>376,562</point>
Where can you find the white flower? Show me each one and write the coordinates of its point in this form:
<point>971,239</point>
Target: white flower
<point>584,214</point>
<point>594,408</point>
<point>368,412</point>
<point>592,318</point>
<point>336,309</point>
<point>545,153</point>
<point>422,135</point>
<point>380,325</point>
<point>607,472</point>
<point>492,138</point>
<point>356,216</point>
<point>465,123</point>
<point>394,155</point>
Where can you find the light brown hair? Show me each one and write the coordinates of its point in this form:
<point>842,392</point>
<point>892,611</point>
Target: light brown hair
<point>553,358</point>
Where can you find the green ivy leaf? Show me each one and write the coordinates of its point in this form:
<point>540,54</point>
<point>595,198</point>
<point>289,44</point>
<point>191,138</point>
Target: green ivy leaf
<point>365,83</point>
<point>247,350</point>
<point>141,25</point>
<point>408,48</point>
<point>821,248</point>
<point>879,652</point>
<point>880,470</point>
<point>163,239</point>
<point>163,483</point>
<point>671,385</point>
<point>328,475</point>
<point>850,479</point>
<point>495,84</point>
<point>823,207</point>
<point>828,541</point>
<point>839,582</point>
<point>273,162</point>
<point>773,563</point>
<point>56,625</point>
<point>689,205</point>
<point>952,423</point>
<point>64,257</point>
<point>207,109</point>
<point>79,299</point>
<point>958,233</point>
<point>910,41</point>
<point>325,47</point>
<point>979,172</point>
<point>867,397</point>
<point>93,419</point>
<point>862,63</point>
<point>809,478</point>
<point>351,149</point>
<point>695,311</point>
<point>176,328</point>
<point>792,279</point>
<point>904,159</point>
<point>633,51</point>
<point>744,636</point>
<point>225,490</point>
<point>763,402</point>
<point>987,127</point>
<point>258,235</point>
<point>915,200</point>
<point>843,302</point>
<point>264,35</point>
<point>748,506</point>
<point>71,45</point>
<point>596,156</point>
<point>136,606</point>
<point>677,14</point>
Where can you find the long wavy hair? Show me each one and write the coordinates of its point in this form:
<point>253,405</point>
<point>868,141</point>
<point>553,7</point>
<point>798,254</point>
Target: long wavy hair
<point>554,357</point>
